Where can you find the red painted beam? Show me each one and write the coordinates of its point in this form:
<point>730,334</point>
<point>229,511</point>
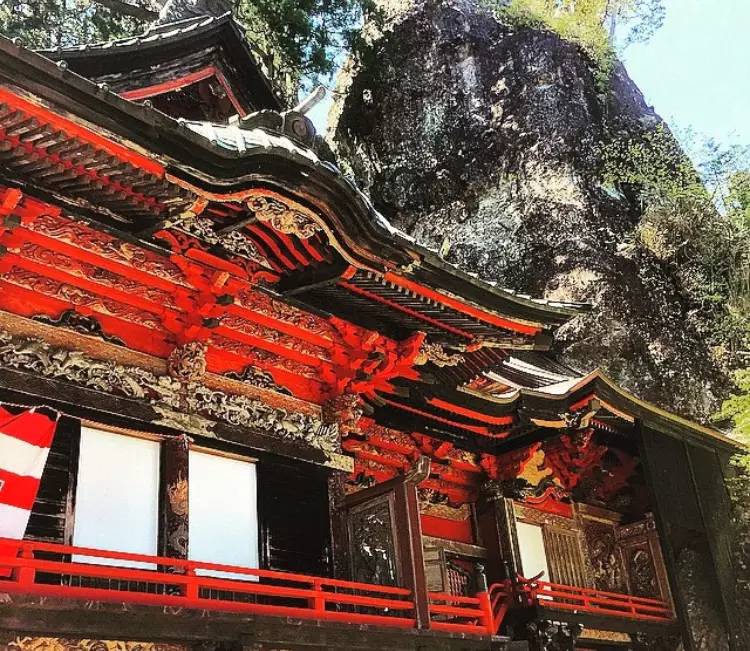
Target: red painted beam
<point>405,310</point>
<point>470,413</point>
<point>169,86</point>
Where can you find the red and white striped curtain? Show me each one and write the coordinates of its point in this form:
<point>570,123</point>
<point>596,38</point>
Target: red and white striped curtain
<point>25,440</point>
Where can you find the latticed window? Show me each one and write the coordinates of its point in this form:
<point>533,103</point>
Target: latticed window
<point>459,579</point>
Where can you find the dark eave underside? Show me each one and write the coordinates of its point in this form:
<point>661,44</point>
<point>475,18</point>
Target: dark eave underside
<point>171,47</point>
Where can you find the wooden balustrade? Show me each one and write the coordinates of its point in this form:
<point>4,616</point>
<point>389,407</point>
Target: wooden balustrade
<point>53,570</point>
<point>595,602</point>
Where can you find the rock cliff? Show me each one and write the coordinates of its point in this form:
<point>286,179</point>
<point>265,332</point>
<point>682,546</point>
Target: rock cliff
<point>465,128</point>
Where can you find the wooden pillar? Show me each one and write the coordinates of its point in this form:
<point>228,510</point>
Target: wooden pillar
<point>497,525</point>
<point>386,517</point>
<point>339,556</point>
<point>174,503</point>
<point>409,528</point>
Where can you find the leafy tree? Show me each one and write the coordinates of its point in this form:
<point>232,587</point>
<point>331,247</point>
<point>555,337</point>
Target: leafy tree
<point>301,37</point>
<point>596,25</point>
<point>738,409</point>
<point>309,35</point>
<point>59,23</point>
<point>695,221</point>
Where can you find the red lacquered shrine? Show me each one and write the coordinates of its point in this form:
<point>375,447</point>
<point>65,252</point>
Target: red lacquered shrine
<point>281,424</point>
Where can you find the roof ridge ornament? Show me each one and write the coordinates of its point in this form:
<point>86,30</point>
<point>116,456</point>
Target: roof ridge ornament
<point>292,124</point>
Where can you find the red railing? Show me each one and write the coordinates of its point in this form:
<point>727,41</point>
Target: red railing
<point>501,597</point>
<point>53,570</point>
<point>594,602</point>
<point>459,614</point>
<point>48,570</point>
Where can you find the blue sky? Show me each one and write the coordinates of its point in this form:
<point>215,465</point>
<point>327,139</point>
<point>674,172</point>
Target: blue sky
<point>695,70</point>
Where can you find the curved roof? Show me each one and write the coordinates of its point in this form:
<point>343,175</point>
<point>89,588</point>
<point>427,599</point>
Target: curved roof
<point>198,163</point>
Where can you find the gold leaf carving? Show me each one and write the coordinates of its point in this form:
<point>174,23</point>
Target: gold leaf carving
<point>282,218</point>
<point>436,354</point>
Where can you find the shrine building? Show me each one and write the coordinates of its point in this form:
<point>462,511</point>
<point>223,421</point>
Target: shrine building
<point>239,410</point>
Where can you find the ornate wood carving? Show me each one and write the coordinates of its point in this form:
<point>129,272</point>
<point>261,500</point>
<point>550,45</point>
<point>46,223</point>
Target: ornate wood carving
<point>436,354</point>
<point>233,241</point>
<point>85,324</point>
<point>372,545</point>
<point>338,518</point>
<point>267,305</point>
<point>345,411</point>
<point>80,297</point>
<point>269,334</point>
<point>283,218</point>
<point>28,643</point>
<point>264,359</point>
<point>163,392</point>
<point>80,269</point>
<point>604,556</point>
<point>187,362</point>
<point>364,360</point>
<point>572,456</point>
<point>642,571</point>
<point>510,465</point>
<point>175,468</point>
<point>545,635</point>
<point>646,572</point>
<point>80,235</point>
<point>257,378</point>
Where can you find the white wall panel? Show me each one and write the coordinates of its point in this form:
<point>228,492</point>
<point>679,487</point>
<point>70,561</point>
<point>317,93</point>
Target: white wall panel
<point>117,495</point>
<point>223,511</point>
<point>533,555</point>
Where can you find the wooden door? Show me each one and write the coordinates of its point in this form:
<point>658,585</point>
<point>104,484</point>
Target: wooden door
<point>373,544</point>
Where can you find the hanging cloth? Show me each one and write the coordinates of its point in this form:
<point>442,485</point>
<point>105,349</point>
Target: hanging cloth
<point>25,440</point>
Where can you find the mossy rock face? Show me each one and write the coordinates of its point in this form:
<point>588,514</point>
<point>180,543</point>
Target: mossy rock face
<point>463,127</point>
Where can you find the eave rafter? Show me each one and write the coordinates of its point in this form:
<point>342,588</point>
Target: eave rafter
<point>65,157</point>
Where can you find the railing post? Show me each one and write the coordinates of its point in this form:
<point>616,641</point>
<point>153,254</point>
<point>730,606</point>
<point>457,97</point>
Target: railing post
<point>191,592</point>
<point>485,603</point>
<point>25,575</point>
<point>318,602</point>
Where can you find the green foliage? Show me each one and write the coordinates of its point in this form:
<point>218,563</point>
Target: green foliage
<point>592,24</point>
<point>737,409</point>
<point>298,39</point>
<point>739,491</point>
<point>53,23</point>
<point>581,22</point>
<point>738,198</point>
<point>307,37</point>
<point>696,222</point>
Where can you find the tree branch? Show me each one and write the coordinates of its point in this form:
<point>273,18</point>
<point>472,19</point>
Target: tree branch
<point>127,9</point>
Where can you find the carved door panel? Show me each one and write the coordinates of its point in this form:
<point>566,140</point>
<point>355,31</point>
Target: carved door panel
<point>565,556</point>
<point>604,556</point>
<point>372,541</point>
<point>641,555</point>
